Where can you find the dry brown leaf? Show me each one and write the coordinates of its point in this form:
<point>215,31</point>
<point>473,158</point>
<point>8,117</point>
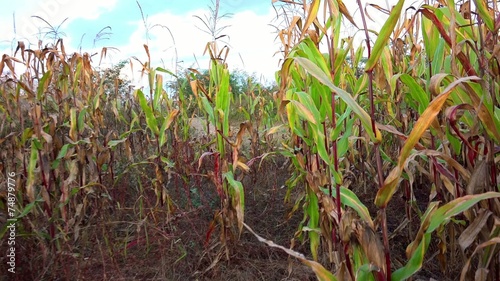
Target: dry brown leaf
<point>479,178</point>
<point>371,244</point>
<point>321,273</point>
<point>465,268</point>
<point>345,12</point>
<point>465,10</point>
<point>470,233</point>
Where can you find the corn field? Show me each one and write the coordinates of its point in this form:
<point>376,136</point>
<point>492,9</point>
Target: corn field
<point>371,160</point>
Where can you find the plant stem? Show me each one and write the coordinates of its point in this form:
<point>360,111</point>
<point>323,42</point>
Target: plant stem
<point>378,159</point>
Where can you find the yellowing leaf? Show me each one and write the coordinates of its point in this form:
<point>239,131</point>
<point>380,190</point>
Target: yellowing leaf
<point>345,12</point>
<point>273,130</point>
<point>303,111</point>
<point>311,16</point>
<point>385,193</point>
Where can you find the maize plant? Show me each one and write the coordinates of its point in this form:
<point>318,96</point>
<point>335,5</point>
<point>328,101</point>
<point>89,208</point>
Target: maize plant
<point>216,103</point>
<point>412,89</point>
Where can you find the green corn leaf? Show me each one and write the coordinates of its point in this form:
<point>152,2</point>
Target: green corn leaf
<point>313,54</point>
<point>444,213</point>
<point>343,145</point>
<point>307,101</point>
<point>208,109</point>
<point>455,143</point>
<point>27,134</point>
<point>166,124</point>
<point>222,99</point>
<point>431,38</point>
<point>416,91</point>
<point>151,78</point>
<point>158,92</point>
<point>313,213</point>
<point>238,198</point>
<point>27,209</point>
<point>319,139</point>
<point>161,69</point>
<point>113,143</point>
<point>336,131</point>
<point>383,36</point>
<point>150,119</point>
<point>73,124</point>
<point>430,222</point>
<point>424,225</point>
<point>43,85</point>
<point>303,111</point>
<point>63,151</point>
<point>30,188</point>
<point>349,198</point>
<point>345,96</point>
<point>78,73</point>
<point>482,9</point>
<point>438,58</point>
<point>96,102</point>
<point>364,272</point>
<point>169,163</point>
<point>81,120</point>
<point>415,262</point>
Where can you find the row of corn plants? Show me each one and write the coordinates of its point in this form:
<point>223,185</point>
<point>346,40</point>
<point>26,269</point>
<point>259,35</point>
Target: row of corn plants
<point>424,111</point>
<point>87,151</point>
<point>58,145</point>
<point>215,99</point>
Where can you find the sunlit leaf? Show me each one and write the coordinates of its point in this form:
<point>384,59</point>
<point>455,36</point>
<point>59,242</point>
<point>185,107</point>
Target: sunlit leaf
<point>384,35</point>
<point>443,214</point>
<point>303,111</point>
<point>311,16</point>
<point>150,118</point>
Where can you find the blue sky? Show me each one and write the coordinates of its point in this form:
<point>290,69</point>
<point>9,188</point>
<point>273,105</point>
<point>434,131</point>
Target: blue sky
<point>183,42</point>
<point>252,40</point>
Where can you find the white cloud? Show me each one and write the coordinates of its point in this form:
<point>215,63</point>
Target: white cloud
<point>53,11</point>
<point>165,49</point>
<point>251,40</point>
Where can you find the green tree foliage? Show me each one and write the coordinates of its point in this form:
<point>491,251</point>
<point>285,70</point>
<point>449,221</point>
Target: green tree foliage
<point>114,84</point>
